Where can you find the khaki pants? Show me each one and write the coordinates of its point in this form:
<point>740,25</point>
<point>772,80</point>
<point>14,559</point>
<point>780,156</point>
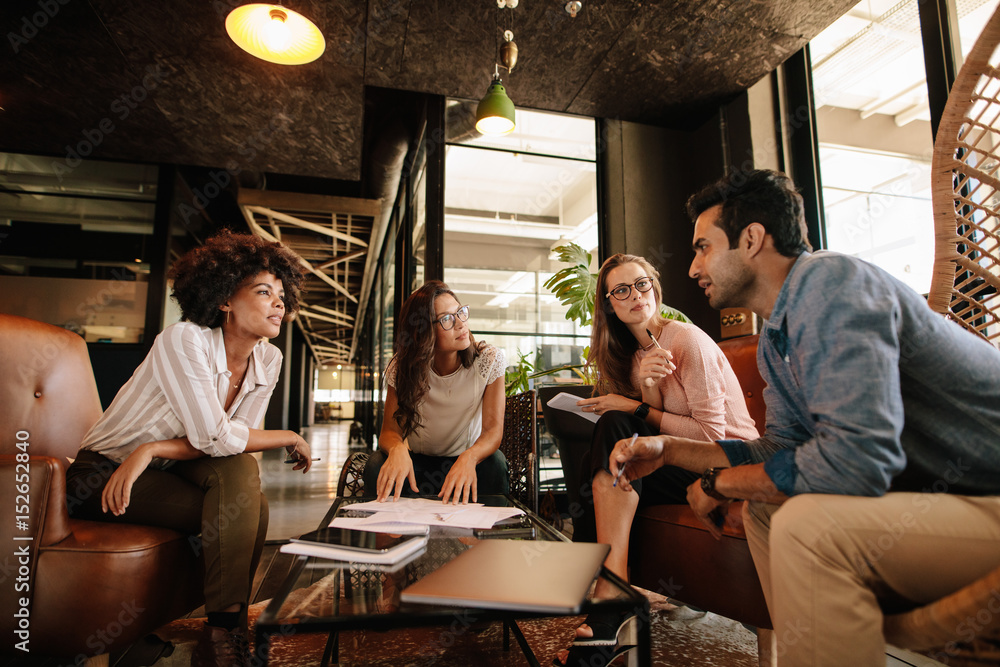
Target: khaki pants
<point>827,562</point>
<point>218,498</point>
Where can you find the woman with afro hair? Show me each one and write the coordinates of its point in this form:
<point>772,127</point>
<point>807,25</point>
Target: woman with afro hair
<point>172,449</point>
<point>443,406</point>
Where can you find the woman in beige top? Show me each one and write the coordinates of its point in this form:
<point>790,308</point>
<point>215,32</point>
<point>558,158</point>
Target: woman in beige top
<point>443,406</point>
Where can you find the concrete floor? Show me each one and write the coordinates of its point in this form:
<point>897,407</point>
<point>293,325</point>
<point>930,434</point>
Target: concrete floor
<point>299,500</point>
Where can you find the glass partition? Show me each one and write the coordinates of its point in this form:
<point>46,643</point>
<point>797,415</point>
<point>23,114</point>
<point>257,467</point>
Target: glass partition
<point>74,244</point>
<point>508,202</point>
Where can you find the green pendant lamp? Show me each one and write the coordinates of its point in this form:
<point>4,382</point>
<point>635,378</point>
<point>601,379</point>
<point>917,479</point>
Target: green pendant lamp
<point>495,113</point>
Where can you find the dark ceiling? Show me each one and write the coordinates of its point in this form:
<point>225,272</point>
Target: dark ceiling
<point>160,81</point>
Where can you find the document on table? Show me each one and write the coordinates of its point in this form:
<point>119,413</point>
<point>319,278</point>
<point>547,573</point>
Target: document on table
<point>566,401</point>
<point>411,505</point>
<point>391,517</point>
<point>389,525</point>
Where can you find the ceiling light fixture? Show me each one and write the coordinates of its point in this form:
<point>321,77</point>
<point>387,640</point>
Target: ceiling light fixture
<point>495,113</point>
<point>275,34</point>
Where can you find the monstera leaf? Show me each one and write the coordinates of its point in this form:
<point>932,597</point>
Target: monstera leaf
<point>574,285</point>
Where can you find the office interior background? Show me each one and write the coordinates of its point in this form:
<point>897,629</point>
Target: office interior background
<point>98,197</point>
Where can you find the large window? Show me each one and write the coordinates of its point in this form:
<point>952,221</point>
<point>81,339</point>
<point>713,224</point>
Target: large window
<point>874,129</point>
<point>508,202</point>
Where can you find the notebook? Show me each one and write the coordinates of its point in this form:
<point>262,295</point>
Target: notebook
<point>517,575</point>
<point>355,545</point>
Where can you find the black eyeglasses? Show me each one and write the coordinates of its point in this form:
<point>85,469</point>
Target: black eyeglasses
<point>622,292</point>
<point>447,321</point>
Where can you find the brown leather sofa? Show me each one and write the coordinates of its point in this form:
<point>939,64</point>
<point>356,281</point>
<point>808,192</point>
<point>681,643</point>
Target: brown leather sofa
<point>71,587</point>
<point>671,552</point>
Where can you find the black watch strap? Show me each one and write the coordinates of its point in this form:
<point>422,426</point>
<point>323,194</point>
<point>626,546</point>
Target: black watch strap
<point>642,410</point>
<point>708,483</point>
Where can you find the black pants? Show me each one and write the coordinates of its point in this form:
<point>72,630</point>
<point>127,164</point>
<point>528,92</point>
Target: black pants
<point>492,476</point>
<point>665,486</point>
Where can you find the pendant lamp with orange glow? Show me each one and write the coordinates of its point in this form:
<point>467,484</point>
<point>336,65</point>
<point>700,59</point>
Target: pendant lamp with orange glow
<point>275,34</point>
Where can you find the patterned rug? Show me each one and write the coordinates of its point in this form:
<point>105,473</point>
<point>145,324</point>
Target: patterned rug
<point>680,635</point>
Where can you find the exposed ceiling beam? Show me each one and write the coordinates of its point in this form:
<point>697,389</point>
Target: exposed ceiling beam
<point>307,313</point>
<point>293,201</point>
<point>341,258</point>
<point>260,231</point>
<point>305,224</point>
<point>330,311</point>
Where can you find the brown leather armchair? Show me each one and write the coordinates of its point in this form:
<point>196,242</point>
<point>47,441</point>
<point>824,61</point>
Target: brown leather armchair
<point>671,552</point>
<point>71,587</point>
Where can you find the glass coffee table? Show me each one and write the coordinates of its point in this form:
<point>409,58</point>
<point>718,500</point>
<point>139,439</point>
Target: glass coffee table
<point>321,595</point>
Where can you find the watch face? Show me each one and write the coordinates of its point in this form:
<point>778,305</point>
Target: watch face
<point>708,484</point>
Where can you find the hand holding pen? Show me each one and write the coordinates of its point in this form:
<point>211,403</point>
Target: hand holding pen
<point>656,367</point>
<point>621,468</point>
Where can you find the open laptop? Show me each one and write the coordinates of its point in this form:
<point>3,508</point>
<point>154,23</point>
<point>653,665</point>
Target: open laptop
<point>517,575</point>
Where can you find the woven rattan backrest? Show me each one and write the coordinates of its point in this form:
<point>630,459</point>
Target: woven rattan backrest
<point>966,194</point>
<point>519,446</point>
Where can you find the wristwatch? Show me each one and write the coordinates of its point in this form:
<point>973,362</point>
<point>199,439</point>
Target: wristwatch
<point>708,483</point>
<point>642,410</point>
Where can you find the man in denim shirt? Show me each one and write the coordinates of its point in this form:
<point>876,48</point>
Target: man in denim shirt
<point>877,479</point>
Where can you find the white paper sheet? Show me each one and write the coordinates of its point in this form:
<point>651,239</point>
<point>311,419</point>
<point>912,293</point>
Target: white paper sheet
<point>411,505</point>
<point>391,526</point>
<point>566,401</point>
<point>424,513</point>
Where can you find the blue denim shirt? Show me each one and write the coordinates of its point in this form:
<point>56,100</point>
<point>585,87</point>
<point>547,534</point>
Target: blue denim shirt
<point>869,390</point>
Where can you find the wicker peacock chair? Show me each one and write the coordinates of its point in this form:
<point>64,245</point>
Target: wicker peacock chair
<point>966,194</point>
<point>964,627</point>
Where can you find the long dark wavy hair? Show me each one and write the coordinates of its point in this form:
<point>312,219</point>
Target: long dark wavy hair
<point>612,345</point>
<point>414,352</point>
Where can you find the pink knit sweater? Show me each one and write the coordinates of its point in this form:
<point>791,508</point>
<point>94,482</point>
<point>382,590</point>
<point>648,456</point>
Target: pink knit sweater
<point>702,399</point>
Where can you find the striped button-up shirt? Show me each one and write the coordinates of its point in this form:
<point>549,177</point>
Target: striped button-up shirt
<point>180,390</point>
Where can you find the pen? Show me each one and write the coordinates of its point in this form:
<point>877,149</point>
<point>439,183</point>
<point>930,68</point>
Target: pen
<point>621,468</point>
<point>649,382</point>
<point>297,460</point>
<point>655,342</point>
<point>508,534</point>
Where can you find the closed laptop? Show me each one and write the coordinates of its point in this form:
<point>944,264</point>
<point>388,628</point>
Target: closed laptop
<point>518,575</point>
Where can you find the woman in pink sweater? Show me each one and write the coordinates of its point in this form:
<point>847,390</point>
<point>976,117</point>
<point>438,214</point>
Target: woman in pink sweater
<point>654,376</point>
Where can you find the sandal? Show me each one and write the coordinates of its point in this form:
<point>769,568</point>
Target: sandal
<point>613,636</point>
<point>606,628</point>
<point>584,656</point>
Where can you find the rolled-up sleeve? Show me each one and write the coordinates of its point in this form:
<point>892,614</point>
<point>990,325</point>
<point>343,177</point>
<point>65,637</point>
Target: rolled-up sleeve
<point>182,367</point>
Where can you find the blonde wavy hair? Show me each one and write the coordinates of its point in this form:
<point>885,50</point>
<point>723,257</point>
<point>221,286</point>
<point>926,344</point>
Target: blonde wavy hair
<point>612,345</point>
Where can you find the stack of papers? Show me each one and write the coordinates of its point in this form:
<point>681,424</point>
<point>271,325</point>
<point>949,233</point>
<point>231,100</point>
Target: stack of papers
<point>408,516</point>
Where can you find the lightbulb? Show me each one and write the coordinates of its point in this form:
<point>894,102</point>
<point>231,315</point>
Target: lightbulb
<point>277,35</point>
<point>495,125</point>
